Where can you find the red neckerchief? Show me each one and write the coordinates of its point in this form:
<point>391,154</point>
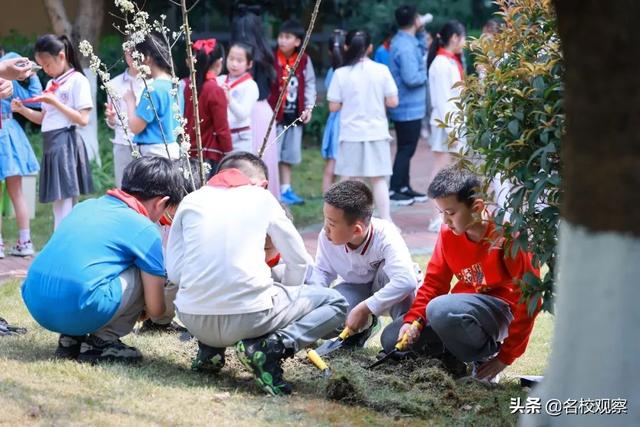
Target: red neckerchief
<point>386,44</point>
<point>243,78</point>
<point>451,55</point>
<point>129,200</point>
<point>54,86</point>
<point>286,64</point>
<point>229,178</point>
<point>274,261</point>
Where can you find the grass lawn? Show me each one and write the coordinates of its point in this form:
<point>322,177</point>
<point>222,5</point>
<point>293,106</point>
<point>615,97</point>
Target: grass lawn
<point>35,389</point>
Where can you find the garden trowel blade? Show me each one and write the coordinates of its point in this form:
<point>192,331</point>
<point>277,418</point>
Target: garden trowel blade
<point>329,346</point>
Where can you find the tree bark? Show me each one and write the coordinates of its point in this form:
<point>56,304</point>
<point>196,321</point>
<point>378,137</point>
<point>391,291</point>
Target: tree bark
<point>58,17</point>
<point>88,24</point>
<point>596,345</point>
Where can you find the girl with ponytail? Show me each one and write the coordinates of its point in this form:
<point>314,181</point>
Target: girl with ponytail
<point>361,90</point>
<point>66,103</point>
<point>212,103</point>
<point>445,70</point>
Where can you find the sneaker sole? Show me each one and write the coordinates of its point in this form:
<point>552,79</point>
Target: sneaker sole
<point>421,199</point>
<point>263,378</point>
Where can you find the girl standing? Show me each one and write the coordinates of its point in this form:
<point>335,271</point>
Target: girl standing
<point>445,70</point>
<point>212,104</point>
<point>153,120</point>
<point>360,90</point>
<point>66,103</point>
<point>330,137</point>
<point>17,160</point>
<point>247,27</point>
<point>242,94</point>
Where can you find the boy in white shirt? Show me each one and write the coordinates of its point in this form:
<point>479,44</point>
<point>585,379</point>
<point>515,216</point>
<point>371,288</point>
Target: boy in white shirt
<point>368,255</point>
<point>226,294</point>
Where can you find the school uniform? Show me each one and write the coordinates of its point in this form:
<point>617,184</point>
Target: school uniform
<point>301,95</point>
<point>121,145</point>
<point>331,134</point>
<point>16,154</point>
<point>226,291</point>
<point>364,131</point>
<point>87,277</point>
<point>65,171</point>
<point>379,272</point>
<point>151,141</point>
<point>445,71</point>
<point>243,95</point>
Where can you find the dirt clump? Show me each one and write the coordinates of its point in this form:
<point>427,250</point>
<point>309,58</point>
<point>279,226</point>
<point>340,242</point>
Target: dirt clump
<point>340,388</point>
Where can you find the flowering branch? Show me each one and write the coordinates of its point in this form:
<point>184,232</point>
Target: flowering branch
<point>291,71</point>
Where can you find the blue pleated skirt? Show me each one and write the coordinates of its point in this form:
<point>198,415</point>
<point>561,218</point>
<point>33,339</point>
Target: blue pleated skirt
<point>16,155</point>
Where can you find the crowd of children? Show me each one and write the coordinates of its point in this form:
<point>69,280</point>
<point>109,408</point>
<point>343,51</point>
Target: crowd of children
<point>232,266</point>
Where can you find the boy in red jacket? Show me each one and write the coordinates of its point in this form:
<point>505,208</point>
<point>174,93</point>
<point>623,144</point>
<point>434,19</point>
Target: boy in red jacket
<point>481,319</point>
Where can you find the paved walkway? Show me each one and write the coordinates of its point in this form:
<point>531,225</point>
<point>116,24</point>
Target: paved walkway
<point>412,220</point>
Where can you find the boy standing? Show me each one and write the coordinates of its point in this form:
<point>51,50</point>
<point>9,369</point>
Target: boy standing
<point>481,319</point>
<point>368,254</point>
<point>299,102</point>
<point>216,254</point>
<point>103,265</point>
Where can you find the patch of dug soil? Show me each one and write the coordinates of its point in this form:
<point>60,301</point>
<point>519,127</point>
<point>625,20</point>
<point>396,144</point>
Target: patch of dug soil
<point>341,389</point>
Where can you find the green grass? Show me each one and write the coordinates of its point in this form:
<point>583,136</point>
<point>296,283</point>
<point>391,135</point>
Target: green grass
<point>307,181</point>
<point>37,390</point>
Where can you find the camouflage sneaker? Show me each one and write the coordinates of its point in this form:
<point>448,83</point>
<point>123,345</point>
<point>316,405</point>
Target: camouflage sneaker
<point>172,327</point>
<point>209,359</point>
<point>95,350</point>
<point>69,346</point>
<point>264,357</point>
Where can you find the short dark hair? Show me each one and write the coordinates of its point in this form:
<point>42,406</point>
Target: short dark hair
<point>152,176</point>
<point>406,15</point>
<point>453,180</point>
<point>294,27</point>
<point>155,47</point>
<point>248,163</point>
<point>354,198</point>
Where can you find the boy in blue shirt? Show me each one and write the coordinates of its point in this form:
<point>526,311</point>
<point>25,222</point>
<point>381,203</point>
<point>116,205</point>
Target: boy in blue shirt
<point>104,265</point>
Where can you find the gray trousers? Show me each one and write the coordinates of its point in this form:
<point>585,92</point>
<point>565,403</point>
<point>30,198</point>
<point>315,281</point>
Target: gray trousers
<point>355,293</point>
<point>471,326</point>
<point>131,306</point>
<point>170,292</point>
<point>300,316</point>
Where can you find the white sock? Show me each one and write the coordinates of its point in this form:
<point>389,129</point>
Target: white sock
<point>25,236</point>
<point>285,188</point>
<point>381,197</point>
<point>61,208</point>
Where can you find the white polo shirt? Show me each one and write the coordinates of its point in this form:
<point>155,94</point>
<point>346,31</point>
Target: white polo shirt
<point>383,244</point>
<point>74,92</point>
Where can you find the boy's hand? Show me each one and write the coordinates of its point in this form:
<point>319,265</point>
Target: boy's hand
<point>306,115</point>
<point>6,88</point>
<point>110,114</point>
<point>411,330</point>
<point>17,106</point>
<point>490,369</point>
<point>358,317</point>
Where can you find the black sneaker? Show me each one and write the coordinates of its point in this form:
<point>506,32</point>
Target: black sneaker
<point>264,357</point>
<point>399,199</point>
<point>453,365</point>
<point>360,339</point>
<point>209,359</point>
<point>10,330</point>
<point>417,197</point>
<point>95,350</point>
<point>172,327</point>
<point>69,346</point>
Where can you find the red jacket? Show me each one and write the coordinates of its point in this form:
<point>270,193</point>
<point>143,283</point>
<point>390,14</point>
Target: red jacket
<point>280,64</point>
<point>214,126</point>
<point>479,268</point>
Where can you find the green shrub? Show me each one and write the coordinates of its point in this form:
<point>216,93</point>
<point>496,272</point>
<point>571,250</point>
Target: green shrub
<point>513,119</point>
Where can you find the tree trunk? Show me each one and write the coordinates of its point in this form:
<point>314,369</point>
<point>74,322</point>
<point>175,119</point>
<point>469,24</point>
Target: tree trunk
<point>88,24</point>
<point>58,17</point>
<point>596,348</point>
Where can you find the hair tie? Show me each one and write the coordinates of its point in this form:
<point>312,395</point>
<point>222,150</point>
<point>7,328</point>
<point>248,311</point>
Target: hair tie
<point>206,45</point>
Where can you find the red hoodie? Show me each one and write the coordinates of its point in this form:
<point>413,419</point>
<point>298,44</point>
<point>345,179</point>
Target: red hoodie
<point>480,268</point>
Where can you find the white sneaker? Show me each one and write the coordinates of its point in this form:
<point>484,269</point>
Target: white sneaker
<point>1,250</point>
<point>22,249</point>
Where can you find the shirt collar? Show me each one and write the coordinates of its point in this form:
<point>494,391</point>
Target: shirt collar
<point>364,246</point>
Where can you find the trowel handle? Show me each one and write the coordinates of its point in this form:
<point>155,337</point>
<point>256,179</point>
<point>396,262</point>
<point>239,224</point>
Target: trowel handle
<point>317,360</point>
<point>404,342</point>
<point>346,333</point>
